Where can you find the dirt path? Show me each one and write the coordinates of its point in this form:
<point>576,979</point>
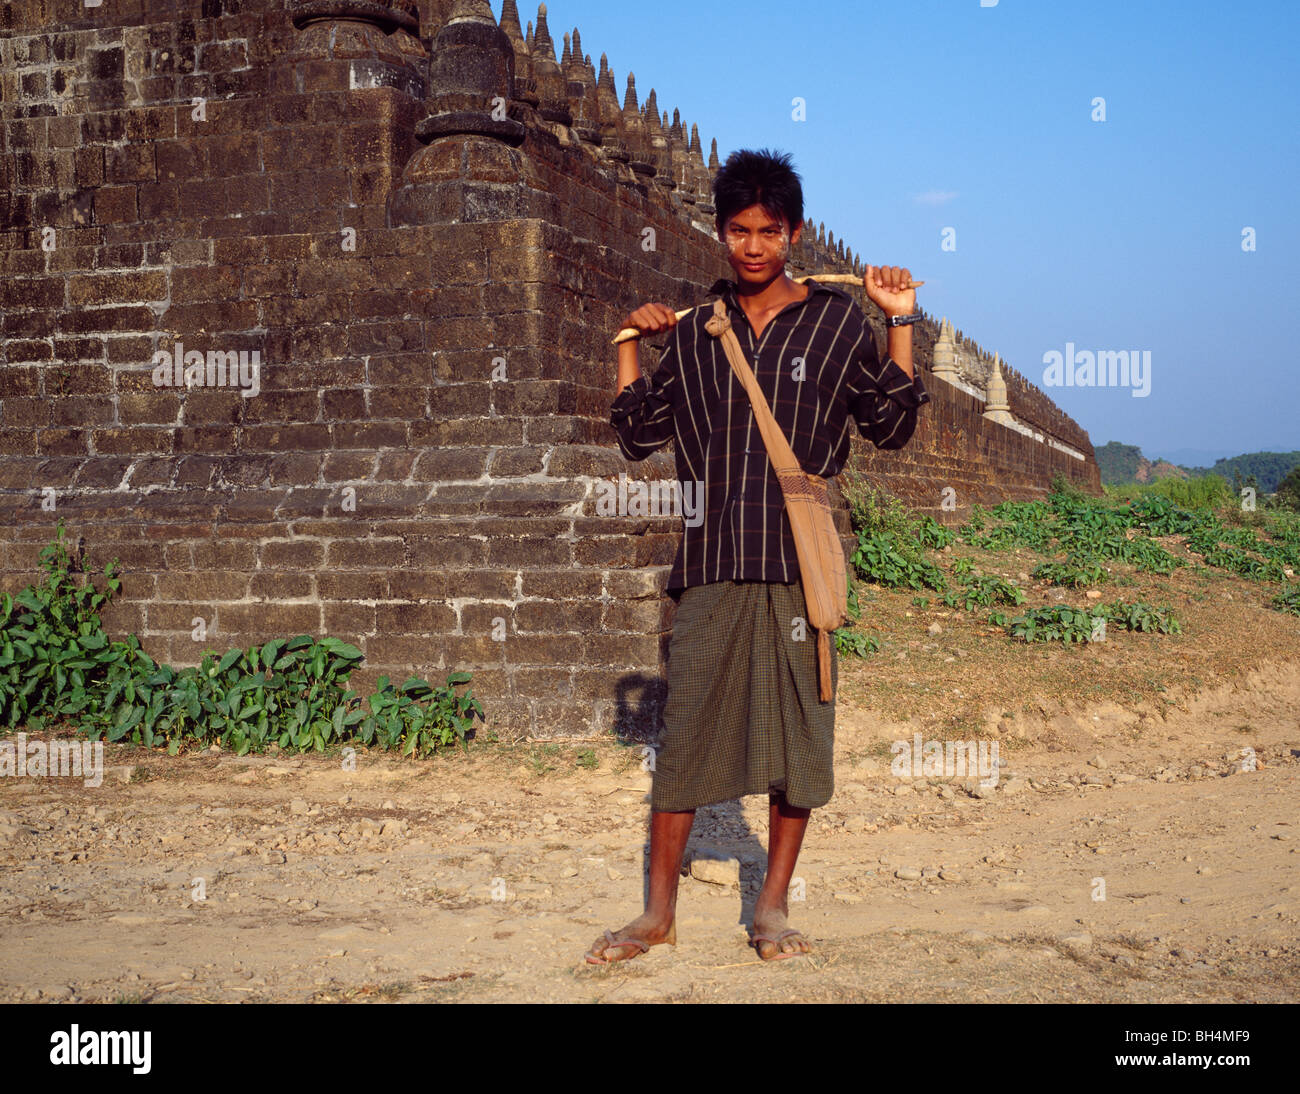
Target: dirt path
<point>485,877</point>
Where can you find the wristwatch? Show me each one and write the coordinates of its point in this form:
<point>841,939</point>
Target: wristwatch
<point>903,320</point>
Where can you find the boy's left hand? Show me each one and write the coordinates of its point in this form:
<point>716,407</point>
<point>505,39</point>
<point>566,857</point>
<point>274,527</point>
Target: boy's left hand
<point>886,288</point>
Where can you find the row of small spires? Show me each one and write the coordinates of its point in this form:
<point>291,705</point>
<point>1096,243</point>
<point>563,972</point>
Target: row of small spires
<point>574,93</point>
<point>944,365</point>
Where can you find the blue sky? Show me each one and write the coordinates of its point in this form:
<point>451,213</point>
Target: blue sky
<point>1122,234</point>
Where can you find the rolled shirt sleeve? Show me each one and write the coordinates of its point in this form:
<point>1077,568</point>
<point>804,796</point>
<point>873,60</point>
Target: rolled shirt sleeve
<point>642,414</point>
<point>884,400</point>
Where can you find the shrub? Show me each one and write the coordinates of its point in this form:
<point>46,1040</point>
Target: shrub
<point>894,562</point>
<point>57,663</point>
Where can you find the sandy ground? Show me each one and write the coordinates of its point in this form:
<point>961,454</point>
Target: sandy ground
<point>484,877</point>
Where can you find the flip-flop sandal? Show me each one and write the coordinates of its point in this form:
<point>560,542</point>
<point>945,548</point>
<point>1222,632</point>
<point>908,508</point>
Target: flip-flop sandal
<point>780,954</point>
<point>613,943</point>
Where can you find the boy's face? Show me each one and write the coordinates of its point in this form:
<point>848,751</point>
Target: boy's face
<point>758,244</point>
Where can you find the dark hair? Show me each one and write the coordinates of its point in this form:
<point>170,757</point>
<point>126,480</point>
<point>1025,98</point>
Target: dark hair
<point>763,178</point>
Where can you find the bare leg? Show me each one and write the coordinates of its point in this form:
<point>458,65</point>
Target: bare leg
<point>668,835</point>
<point>786,828</point>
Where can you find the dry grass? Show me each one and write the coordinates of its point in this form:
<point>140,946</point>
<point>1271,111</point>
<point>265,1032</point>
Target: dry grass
<point>972,672</point>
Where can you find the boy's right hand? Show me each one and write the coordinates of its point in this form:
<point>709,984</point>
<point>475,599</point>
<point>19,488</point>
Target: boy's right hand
<point>652,318</point>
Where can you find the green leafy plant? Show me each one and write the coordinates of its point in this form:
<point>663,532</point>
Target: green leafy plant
<point>853,643</point>
<point>849,642</point>
<point>894,562</point>
<point>417,718</point>
<point>1062,623</point>
<point>1288,602</point>
<point>1053,624</point>
<point>984,591</point>
<point>930,533</point>
<point>1074,572</point>
<point>975,520</point>
<point>57,663</point>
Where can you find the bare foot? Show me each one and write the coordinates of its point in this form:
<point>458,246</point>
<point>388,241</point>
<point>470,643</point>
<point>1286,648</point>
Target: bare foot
<point>648,930</point>
<point>774,938</point>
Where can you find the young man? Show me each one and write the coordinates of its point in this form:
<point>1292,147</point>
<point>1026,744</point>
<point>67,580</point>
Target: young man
<point>742,714</point>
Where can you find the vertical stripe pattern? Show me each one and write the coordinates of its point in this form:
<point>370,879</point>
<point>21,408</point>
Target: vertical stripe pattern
<point>817,363</point>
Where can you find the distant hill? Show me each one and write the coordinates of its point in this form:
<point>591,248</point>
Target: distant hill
<point>1269,468</point>
<point>1124,463</point>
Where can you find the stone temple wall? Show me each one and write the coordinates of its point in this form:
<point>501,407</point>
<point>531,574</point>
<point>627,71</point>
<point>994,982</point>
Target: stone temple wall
<point>395,240</point>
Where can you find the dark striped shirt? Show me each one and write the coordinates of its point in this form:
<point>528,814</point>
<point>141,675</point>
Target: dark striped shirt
<point>696,399</point>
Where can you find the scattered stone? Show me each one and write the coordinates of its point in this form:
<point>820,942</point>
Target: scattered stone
<point>272,858</point>
<point>908,873</point>
<point>1077,942</point>
<point>848,898</point>
<point>855,823</point>
<point>298,807</point>
<point>934,628</point>
<point>1099,762</point>
<point>1205,870</point>
<point>715,869</point>
<point>1014,786</point>
<point>1125,961</point>
<point>949,875</point>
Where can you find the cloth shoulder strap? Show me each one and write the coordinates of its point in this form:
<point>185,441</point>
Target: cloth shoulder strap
<point>807,504</point>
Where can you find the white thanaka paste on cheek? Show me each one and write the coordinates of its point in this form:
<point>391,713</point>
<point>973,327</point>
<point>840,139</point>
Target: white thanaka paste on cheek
<point>736,245</point>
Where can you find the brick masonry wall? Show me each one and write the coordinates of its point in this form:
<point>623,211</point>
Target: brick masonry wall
<point>417,472</point>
